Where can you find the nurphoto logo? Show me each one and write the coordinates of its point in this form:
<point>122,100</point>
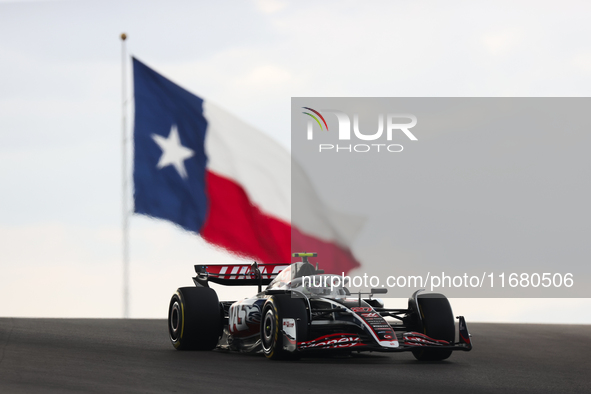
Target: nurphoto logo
<point>394,123</point>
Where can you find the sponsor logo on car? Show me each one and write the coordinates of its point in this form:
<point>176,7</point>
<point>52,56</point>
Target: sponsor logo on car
<point>289,329</point>
<point>418,339</point>
<point>373,314</point>
<point>339,340</point>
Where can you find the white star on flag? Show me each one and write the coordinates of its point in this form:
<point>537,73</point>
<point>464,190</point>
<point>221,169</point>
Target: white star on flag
<point>173,152</point>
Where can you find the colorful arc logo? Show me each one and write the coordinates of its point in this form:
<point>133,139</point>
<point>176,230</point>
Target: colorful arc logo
<point>315,118</point>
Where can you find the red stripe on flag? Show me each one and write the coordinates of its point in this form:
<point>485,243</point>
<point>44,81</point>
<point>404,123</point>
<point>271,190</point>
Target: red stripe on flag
<point>240,227</point>
<point>332,258</point>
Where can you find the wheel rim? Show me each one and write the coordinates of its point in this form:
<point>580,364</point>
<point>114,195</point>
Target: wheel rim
<point>268,330</point>
<point>175,321</point>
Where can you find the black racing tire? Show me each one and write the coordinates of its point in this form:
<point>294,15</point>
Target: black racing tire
<point>438,323</point>
<point>194,319</point>
<point>277,308</point>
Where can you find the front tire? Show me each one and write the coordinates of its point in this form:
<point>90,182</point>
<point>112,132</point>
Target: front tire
<point>438,323</point>
<point>277,308</point>
<point>194,319</point>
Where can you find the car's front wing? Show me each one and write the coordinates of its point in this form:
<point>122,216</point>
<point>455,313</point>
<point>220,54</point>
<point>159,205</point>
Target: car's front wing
<point>407,341</point>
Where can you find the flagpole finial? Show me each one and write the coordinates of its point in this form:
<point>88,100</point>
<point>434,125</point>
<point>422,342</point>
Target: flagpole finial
<point>123,36</point>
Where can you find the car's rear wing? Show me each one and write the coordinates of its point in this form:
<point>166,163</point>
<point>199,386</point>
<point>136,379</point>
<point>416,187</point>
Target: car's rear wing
<point>237,274</point>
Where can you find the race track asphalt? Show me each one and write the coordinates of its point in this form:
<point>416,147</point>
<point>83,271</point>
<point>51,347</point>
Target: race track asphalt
<point>111,356</point>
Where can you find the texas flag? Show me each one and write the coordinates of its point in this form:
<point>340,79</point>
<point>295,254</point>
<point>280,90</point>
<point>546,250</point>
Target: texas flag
<point>207,171</point>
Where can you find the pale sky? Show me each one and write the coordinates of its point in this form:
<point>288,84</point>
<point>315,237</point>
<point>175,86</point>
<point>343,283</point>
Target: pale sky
<point>60,116</point>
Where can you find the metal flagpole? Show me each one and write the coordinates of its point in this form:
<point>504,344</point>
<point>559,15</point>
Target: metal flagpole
<point>124,173</point>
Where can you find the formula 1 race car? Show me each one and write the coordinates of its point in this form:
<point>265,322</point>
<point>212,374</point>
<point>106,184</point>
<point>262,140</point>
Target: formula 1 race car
<point>304,310</point>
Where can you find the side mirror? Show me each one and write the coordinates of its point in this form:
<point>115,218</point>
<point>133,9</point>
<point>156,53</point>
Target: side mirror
<point>379,291</point>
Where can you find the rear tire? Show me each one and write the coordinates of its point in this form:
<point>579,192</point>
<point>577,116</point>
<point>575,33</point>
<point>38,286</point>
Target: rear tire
<point>277,308</point>
<point>194,319</point>
<point>438,323</point>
